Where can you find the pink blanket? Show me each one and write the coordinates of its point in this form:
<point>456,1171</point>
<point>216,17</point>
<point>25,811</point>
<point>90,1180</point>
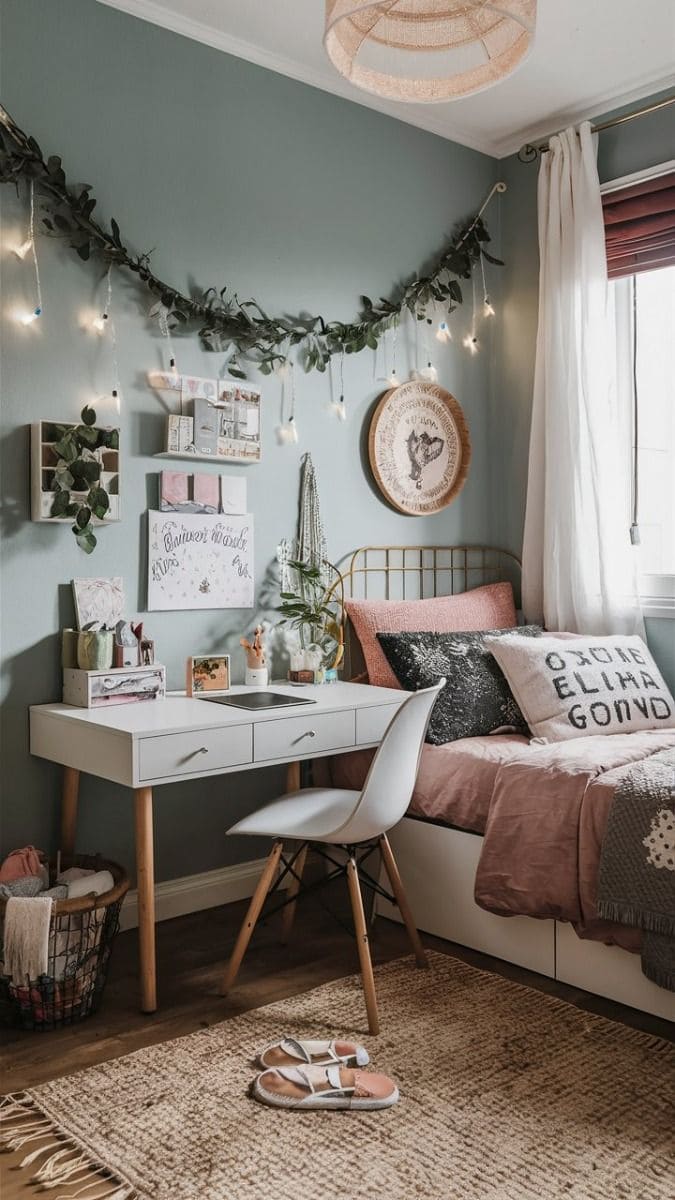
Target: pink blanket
<point>545,827</point>
<point>543,811</point>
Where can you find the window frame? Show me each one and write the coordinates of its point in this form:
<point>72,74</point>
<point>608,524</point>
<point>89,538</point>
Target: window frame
<point>657,591</point>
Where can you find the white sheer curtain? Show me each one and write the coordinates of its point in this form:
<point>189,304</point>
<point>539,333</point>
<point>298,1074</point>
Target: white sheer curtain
<point>579,568</point>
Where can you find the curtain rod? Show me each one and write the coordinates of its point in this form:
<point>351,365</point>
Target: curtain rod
<point>529,152</point>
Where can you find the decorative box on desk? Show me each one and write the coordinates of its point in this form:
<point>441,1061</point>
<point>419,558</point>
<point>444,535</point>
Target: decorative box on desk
<point>118,685</point>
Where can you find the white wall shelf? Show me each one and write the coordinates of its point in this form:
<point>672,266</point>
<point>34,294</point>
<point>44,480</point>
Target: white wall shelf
<point>43,463</point>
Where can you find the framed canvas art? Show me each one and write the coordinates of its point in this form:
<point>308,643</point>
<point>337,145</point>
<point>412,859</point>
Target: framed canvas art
<point>98,601</point>
<point>199,560</point>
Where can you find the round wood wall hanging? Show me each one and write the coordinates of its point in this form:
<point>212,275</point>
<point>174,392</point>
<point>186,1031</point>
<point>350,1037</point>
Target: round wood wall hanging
<point>419,447</point>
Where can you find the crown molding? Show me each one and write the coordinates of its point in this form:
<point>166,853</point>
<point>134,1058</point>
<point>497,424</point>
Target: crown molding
<point>155,13</point>
<point>598,107</point>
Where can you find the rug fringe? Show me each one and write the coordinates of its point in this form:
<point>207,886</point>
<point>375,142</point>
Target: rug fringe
<point>23,1122</point>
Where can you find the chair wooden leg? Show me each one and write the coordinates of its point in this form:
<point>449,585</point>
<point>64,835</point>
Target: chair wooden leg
<point>402,901</point>
<point>250,920</point>
<point>363,947</point>
<point>288,913</point>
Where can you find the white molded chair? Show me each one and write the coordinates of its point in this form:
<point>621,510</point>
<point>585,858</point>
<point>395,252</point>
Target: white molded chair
<point>357,822</point>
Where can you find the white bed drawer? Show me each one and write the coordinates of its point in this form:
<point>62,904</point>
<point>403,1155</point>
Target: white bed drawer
<point>300,737</point>
<point>371,723</point>
<point>194,753</point>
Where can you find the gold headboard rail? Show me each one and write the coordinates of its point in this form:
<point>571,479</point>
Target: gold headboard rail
<point>418,573</point>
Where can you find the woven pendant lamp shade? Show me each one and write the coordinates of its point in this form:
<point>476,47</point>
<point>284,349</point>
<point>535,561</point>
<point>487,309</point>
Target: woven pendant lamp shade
<point>481,43</point>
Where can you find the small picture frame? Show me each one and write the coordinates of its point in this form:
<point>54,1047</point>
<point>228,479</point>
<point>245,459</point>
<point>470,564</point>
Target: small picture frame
<point>208,674</point>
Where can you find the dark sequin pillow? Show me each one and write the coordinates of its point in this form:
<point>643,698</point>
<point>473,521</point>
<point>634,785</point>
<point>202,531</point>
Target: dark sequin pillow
<point>476,699</point>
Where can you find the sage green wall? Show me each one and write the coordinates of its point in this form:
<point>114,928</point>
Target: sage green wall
<point>234,175</point>
<point>622,150</point>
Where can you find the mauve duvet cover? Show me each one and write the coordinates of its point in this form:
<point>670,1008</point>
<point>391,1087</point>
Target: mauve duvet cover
<point>542,810</point>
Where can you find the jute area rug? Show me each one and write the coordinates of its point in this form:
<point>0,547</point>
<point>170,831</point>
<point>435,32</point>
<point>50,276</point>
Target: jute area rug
<point>506,1094</point>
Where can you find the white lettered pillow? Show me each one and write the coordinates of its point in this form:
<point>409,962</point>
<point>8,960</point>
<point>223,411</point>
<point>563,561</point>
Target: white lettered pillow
<point>576,688</point>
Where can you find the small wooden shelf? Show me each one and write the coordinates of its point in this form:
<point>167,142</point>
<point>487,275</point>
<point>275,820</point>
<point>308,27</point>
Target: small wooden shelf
<point>208,458</point>
<point>43,460</point>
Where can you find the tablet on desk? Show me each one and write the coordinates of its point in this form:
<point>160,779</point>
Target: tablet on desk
<point>259,701</point>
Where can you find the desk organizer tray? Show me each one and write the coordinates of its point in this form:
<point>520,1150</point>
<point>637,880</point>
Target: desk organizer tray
<point>118,685</point>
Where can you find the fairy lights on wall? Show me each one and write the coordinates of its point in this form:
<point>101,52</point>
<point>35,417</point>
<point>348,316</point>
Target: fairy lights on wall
<point>102,324</point>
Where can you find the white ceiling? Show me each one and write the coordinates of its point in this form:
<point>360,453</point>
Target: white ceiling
<point>589,56</point>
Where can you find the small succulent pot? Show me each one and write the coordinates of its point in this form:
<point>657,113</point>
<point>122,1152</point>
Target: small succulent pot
<point>69,640</point>
<point>95,650</point>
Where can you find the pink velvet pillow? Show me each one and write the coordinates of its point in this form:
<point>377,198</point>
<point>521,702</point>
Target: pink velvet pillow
<point>489,607</point>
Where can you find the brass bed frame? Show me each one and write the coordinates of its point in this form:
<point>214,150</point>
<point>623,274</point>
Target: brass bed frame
<point>418,573</point>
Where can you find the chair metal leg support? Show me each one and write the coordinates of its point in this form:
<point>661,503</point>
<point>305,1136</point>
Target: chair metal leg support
<point>292,894</point>
<point>402,901</point>
<point>249,923</point>
<point>363,947</point>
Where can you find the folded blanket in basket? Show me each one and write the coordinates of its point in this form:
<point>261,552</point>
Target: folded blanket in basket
<point>26,937</point>
<point>636,885</point>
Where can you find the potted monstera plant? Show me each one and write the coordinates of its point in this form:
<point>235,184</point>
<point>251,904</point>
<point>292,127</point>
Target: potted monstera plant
<point>78,491</point>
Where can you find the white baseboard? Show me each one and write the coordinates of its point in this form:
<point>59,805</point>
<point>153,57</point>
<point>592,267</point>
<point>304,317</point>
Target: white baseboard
<point>192,893</point>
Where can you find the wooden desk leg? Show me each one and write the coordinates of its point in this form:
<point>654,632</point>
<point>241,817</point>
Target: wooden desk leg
<point>293,777</point>
<point>69,797</point>
<point>145,882</point>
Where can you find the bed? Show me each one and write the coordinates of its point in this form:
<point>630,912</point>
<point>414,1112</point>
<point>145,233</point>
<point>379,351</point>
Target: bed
<point>473,831</point>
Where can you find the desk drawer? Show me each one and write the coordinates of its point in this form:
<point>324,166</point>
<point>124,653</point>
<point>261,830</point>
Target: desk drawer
<point>300,737</point>
<point>194,753</point>
<point>371,723</point>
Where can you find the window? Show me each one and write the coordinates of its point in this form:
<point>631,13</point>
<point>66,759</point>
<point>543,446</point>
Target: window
<point>645,322</point>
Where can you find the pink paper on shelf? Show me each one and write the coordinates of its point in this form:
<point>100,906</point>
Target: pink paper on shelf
<point>174,488</point>
<point>206,491</point>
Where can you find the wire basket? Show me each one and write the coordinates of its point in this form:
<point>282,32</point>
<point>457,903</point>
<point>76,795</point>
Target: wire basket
<point>81,938</point>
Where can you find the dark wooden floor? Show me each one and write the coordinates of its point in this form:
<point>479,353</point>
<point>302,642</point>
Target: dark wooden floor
<point>191,952</point>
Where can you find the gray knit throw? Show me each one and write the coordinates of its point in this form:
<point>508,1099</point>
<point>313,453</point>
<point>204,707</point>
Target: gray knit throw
<point>637,864</point>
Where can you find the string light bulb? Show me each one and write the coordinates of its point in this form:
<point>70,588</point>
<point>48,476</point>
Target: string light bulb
<point>488,310</point>
<point>471,343</point>
<point>28,318</point>
<point>22,250</point>
<point>429,373</point>
<point>98,323</point>
<point>443,333</point>
<point>393,379</point>
<point>338,406</point>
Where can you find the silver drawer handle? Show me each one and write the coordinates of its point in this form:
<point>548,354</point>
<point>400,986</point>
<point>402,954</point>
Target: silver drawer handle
<point>309,733</point>
<point>202,750</point>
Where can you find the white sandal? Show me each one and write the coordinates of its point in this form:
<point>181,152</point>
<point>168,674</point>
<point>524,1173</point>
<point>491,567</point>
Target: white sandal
<point>291,1052</point>
<point>325,1087</point>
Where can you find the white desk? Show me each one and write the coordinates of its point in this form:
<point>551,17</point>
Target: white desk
<point>155,742</point>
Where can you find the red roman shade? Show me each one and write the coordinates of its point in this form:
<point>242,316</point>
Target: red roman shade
<point>640,226</point>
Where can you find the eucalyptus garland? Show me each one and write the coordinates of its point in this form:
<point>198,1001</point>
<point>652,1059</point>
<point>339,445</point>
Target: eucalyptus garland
<point>224,323</point>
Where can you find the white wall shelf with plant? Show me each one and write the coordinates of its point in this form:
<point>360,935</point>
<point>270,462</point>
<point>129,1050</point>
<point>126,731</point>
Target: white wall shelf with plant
<point>75,473</point>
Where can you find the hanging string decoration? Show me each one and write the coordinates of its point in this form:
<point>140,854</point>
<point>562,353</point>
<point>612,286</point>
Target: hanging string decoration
<point>287,431</point>
<point>27,318</point>
<point>310,548</point>
<point>224,323</point>
<point>471,338</point>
